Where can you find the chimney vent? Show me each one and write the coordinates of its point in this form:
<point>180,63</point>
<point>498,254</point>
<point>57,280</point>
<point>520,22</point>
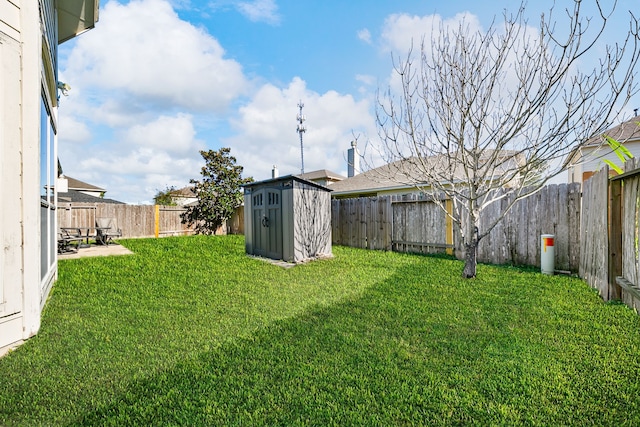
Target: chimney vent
<point>353,160</point>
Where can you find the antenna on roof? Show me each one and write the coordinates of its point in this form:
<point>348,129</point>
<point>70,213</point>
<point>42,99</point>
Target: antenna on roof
<point>301,129</point>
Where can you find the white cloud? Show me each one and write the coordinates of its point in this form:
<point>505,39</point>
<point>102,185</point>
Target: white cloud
<point>366,79</point>
<point>260,11</point>
<point>401,31</point>
<point>76,131</point>
<point>173,135</point>
<point>138,160</point>
<point>365,35</point>
<point>147,87</point>
<point>267,134</point>
<point>145,50</point>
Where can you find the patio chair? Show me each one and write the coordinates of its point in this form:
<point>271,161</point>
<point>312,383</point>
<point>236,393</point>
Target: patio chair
<point>69,241</point>
<point>106,230</point>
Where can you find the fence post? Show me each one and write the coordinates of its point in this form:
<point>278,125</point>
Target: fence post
<point>615,237</point>
<point>157,221</point>
<point>449,225</point>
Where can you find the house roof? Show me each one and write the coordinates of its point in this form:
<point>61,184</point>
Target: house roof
<point>186,192</point>
<point>75,196</point>
<point>76,184</point>
<point>624,132</point>
<point>321,174</point>
<point>407,173</point>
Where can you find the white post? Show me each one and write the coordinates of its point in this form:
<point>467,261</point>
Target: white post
<point>547,253</point>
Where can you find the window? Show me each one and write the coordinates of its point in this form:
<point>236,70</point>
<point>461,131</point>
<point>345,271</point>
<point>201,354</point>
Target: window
<point>48,175</point>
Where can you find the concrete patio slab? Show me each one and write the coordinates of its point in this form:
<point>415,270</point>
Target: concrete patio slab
<point>96,250</point>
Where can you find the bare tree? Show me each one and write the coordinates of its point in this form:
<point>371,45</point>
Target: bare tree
<point>485,115</point>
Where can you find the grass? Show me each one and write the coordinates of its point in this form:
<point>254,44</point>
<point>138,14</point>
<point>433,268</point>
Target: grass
<point>190,331</point>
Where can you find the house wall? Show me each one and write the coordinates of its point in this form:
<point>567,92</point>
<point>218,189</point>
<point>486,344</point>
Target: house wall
<point>594,160</point>
<point>597,157</point>
<point>11,310</point>
<point>20,76</point>
<point>27,229</point>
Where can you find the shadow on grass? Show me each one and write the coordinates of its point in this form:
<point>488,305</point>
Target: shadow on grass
<point>386,358</point>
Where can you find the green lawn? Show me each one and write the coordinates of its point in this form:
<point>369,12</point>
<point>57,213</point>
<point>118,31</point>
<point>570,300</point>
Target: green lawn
<point>190,331</point>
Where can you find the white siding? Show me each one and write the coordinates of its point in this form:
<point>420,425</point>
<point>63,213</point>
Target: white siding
<point>10,256</point>
<point>595,158</point>
<point>10,19</point>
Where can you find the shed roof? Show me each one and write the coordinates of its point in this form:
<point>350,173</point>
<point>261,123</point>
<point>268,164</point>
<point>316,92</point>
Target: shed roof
<point>286,178</point>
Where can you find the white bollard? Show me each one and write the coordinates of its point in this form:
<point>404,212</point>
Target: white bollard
<point>547,254</point>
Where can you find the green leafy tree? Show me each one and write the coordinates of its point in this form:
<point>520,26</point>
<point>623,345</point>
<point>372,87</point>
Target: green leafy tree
<point>165,197</point>
<point>218,192</point>
<point>621,151</point>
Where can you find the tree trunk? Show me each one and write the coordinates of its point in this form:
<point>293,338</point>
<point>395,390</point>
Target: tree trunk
<point>471,252</point>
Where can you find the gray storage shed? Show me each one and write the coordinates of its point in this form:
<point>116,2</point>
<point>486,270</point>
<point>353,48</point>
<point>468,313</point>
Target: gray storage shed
<point>287,218</point>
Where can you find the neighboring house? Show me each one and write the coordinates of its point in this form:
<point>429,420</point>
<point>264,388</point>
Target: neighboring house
<point>322,177</point>
<point>403,177</point>
<point>184,196</point>
<point>30,32</point>
<point>586,160</point>
<point>81,192</point>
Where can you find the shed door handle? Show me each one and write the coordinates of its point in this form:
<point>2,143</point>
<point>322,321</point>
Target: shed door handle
<point>265,221</point>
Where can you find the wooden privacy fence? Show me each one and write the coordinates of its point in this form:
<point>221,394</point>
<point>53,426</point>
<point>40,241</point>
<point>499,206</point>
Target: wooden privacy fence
<point>610,260</point>
<point>363,222</point>
<point>139,220</point>
<point>555,209</point>
<point>134,220</point>
<point>410,224</point>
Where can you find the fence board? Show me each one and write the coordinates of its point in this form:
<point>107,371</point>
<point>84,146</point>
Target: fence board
<point>593,234</point>
<point>630,235</point>
<point>574,214</point>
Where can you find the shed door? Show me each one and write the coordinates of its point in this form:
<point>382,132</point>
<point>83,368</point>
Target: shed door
<point>267,223</point>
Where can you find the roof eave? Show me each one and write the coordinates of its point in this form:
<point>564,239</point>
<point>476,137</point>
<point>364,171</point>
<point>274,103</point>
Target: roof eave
<point>75,17</point>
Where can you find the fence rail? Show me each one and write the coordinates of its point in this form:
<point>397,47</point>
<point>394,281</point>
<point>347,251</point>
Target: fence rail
<point>410,224</point>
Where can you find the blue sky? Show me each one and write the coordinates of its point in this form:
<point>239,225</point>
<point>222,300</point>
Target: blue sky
<point>158,80</point>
